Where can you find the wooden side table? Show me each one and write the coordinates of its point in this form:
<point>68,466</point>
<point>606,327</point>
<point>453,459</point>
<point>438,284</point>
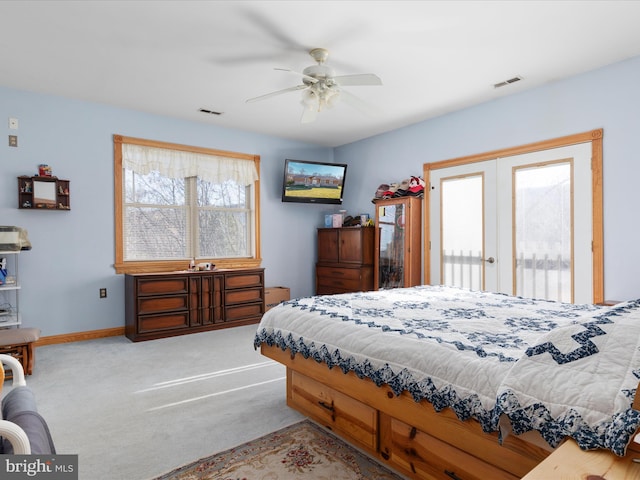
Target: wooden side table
<point>569,462</point>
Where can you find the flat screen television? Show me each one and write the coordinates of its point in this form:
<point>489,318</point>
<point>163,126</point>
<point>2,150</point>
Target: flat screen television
<point>313,182</point>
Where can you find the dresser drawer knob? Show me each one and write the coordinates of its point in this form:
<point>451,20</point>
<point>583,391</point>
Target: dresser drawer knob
<point>452,475</point>
<point>326,405</point>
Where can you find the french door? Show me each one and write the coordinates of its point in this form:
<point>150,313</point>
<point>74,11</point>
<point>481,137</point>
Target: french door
<point>520,225</point>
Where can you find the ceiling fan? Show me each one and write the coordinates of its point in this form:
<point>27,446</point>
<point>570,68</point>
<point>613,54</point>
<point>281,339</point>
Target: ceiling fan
<point>322,88</point>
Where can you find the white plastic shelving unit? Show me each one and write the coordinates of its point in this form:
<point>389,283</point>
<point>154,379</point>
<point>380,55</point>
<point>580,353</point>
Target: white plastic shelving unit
<point>10,291</point>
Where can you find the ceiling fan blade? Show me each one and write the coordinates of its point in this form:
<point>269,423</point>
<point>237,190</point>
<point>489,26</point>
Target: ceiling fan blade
<point>358,104</point>
<point>309,115</point>
<point>274,30</point>
<point>306,77</point>
<point>279,92</point>
<point>360,79</point>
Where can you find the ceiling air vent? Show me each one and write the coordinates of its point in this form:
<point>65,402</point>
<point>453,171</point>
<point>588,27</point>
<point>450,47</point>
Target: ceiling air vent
<point>507,82</point>
<point>210,112</point>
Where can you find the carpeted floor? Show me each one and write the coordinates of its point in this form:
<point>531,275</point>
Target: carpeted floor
<point>302,451</point>
<point>132,411</point>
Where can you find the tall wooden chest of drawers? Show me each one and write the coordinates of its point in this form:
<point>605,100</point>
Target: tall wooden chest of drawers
<point>345,260</point>
<point>160,305</point>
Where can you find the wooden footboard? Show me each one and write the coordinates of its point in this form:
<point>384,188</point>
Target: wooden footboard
<point>411,437</point>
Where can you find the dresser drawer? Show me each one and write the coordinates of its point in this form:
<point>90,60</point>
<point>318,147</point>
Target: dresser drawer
<point>339,273</point>
<point>331,290</point>
<point>170,303</point>
<point>250,279</point>
<point>427,457</point>
<point>160,323</point>
<point>242,296</point>
<point>335,279</point>
<point>162,286</point>
<point>341,413</point>
<point>346,284</point>
<point>252,311</point>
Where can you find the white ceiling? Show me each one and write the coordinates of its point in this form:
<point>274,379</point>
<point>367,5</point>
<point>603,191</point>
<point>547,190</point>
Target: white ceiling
<point>174,57</point>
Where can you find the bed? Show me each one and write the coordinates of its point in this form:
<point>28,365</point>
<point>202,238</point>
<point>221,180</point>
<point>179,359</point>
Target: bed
<point>445,383</point>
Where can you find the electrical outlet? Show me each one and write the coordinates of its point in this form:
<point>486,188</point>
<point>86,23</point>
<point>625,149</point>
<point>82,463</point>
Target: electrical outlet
<point>13,140</point>
<point>103,293</point>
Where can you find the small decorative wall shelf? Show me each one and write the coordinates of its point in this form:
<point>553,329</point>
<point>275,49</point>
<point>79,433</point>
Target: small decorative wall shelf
<point>43,193</point>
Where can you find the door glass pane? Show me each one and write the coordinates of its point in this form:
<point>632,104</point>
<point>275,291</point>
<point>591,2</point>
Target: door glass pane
<point>391,263</point>
<point>462,232</point>
<point>543,232</point>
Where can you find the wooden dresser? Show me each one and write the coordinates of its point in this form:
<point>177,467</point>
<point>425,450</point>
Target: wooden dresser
<point>161,305</point>
<point>345,260</point>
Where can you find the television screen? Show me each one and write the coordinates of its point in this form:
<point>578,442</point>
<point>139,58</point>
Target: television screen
<point>313,182</point>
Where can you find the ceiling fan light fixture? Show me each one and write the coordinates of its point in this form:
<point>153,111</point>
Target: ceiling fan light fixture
<point>332,98</point>
<point>320,96</point>
<point>309,98</point>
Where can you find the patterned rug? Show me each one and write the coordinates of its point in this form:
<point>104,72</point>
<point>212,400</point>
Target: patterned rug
<point>300,451</point>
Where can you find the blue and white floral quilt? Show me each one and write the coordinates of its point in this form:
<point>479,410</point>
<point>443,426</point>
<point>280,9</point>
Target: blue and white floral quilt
<point>560,369</point>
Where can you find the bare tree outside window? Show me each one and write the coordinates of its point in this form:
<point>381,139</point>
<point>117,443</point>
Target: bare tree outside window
<point>223,220</point>
<point>184,218</point>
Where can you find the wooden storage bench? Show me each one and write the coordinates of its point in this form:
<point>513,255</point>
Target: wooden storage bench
<point>19,343</point>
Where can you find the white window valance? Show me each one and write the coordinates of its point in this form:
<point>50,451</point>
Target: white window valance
<point>181,164</point>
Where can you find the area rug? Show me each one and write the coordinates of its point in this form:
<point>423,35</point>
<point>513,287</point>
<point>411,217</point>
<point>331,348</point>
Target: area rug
<point>301,451</point>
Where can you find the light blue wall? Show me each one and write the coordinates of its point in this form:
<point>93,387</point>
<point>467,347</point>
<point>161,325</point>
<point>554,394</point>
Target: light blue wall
<point>73,252</point>
<point>607,98</point>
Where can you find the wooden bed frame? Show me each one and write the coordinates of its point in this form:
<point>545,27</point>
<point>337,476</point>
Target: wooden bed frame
<point>410,437</point>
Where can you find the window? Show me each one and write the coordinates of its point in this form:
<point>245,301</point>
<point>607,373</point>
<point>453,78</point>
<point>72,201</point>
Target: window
<point>175,202</point>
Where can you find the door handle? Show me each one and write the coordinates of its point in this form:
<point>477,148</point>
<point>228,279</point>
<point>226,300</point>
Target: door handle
<point>490,260</point>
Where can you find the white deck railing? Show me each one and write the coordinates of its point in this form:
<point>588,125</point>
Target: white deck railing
<point>462,269</point>
<point>538,276</point>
